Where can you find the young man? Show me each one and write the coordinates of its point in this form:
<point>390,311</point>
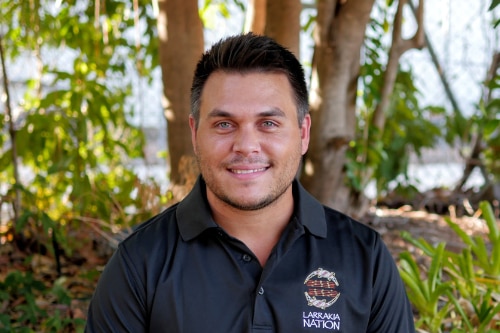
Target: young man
<point>249,250</point>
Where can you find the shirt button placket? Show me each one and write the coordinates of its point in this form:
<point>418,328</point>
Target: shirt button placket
<point>262,314</point>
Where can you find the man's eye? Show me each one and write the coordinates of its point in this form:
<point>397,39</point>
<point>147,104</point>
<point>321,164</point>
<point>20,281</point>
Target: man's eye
<point>269,123</point>
<point>223,124</point>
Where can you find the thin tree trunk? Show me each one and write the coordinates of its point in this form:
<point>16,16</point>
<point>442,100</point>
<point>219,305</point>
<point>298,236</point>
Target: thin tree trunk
<point>398,48</point>
<point>435,61</point>
<point>283,23</point>
<point>474,159</point>
<point>13,136</point>
<point>180,33</point>
<point>255,20</point>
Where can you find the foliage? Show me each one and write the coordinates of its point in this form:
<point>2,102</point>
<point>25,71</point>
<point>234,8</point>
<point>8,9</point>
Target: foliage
<point>408,128</point>
<point>75,142</point>
<point>211,8</point>
<point>459,292</point>
<point>488,121</point>
<point>482,127</point>
<point>426,294</point>
<point>494,4</point>
<point>35,305</point>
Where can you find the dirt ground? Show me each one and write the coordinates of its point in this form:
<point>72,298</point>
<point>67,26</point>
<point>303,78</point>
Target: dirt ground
<point>390,223</point>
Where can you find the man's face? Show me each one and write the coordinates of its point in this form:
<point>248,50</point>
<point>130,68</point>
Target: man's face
<point>248,143</point>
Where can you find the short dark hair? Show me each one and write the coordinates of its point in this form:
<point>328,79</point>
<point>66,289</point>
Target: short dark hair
<point>246,53</point>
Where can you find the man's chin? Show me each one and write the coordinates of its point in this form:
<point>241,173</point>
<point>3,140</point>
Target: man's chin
<point>248,205</point>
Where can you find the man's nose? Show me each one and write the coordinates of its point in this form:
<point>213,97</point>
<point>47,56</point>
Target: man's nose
<point>247,141</point>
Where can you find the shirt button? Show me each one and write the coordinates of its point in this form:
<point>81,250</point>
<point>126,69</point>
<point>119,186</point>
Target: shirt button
<point>247,258</point>
<point>261,291</point>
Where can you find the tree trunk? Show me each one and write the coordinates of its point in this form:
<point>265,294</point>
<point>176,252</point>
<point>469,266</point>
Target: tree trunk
<point>283,23</point>
<point>180,33</point>
<point>339,35</point>
<point>255,20</point>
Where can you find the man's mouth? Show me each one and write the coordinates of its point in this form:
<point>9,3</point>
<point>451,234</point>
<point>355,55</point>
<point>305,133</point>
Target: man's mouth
<point>247,171</point>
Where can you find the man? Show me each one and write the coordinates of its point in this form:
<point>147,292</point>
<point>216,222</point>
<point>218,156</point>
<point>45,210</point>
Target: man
<point>249,250</point>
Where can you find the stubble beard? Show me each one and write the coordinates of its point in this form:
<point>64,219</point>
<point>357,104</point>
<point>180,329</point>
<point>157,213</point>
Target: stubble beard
<point>215,187</point>
<point>264,202</point>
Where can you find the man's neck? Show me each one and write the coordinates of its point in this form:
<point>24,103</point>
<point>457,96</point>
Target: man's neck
<point>261,229</point>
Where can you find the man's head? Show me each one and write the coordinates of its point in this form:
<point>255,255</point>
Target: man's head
<point>250,124</point>
<point>248,53</point>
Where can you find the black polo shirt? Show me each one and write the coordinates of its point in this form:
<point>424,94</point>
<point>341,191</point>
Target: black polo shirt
<point>181,273</point>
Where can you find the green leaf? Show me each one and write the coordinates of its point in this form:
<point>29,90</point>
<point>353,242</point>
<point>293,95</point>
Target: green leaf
<point>458,307</point>
<point>495,25</point>
<point>494,3</point>
<point>491,127</point>
<point>412,277</point>
<point>434,274</point>
<point>489,217</point>
<point>421,243</point>
<point>456,228</point>
<point>47,223</point>
<point>23,220</point>
<point>489,318</point>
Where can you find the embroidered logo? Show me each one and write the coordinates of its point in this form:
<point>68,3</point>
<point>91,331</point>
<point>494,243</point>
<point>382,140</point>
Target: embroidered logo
<point>321,288</point>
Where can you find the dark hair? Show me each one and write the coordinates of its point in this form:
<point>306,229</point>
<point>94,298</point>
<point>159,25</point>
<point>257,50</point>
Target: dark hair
<point>249,53</point>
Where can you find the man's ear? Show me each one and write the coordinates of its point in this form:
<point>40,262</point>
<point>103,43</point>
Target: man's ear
<point>305,133</point>
<point>192,126</point>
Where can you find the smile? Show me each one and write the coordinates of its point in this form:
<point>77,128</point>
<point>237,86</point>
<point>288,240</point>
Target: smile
<point>241,172</point>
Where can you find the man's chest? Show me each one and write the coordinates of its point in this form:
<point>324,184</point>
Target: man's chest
<point>227,291</point>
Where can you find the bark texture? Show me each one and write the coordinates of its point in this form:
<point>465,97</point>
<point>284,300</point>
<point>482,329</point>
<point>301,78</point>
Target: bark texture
<point>339,35</point>
<point>180,33</point>
<point>255,20</point>
<point>283,23</point>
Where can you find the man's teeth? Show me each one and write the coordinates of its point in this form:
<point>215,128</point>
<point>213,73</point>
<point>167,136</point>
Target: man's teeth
<point>248,171</point>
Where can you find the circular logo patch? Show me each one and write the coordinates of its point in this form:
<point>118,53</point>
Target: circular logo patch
<point>321,288</point>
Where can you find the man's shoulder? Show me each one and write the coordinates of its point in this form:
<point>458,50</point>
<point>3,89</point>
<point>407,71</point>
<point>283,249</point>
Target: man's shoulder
<point>153,231</point>
<point>340,222</point>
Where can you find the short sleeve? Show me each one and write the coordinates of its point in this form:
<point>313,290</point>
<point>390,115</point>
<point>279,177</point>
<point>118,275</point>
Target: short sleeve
<point>118,303</point>
<point>391,310</point>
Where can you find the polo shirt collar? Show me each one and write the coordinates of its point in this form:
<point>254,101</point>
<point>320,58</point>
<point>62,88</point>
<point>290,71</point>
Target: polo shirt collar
<point>193,212</point>
<point>309,211</point>
<point>194,215</point>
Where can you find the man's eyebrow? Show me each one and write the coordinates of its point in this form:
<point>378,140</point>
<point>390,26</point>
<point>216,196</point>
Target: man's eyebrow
<point>272,112</point>
<point>215,113</point>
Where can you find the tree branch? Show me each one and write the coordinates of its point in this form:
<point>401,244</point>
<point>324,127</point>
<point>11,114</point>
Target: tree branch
<point>474,159</point>
<point>12,133</point>
<point>398,48</point>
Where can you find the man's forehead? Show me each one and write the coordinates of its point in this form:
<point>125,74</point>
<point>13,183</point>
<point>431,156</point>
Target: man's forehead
<point>271,112</point>
<point>261,94</point>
